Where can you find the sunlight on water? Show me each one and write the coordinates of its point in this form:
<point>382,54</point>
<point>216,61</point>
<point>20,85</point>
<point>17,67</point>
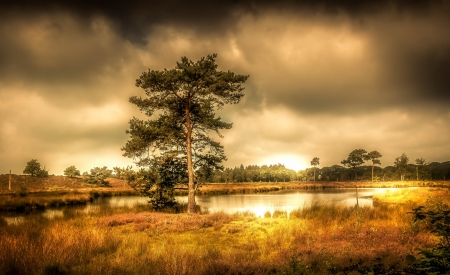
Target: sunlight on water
<point>14,220</point>
<point>286,201</point>
<point>51,214</point>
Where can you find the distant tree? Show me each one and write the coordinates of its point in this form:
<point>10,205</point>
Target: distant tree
<point>336,171</point>
<point>374,157</point>
<point>402,163</point>
<point>98,175</point>
<point>71,171</point>
<point>32,167</point>
<point>315,162</point>
<point>123,173</point>
<point>355,159</point>
<point>420,162</point>
<point>181,105</point>
<point>42,173</point>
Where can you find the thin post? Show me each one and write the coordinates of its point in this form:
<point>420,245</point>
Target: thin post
<point>9,180</point>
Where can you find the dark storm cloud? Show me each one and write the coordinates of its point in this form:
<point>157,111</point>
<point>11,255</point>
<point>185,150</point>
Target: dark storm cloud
<point>77,57</point>
<point>326,77</point>
<point>135,18</point>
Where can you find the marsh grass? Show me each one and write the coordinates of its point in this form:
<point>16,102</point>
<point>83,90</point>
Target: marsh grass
<point>321,238</point>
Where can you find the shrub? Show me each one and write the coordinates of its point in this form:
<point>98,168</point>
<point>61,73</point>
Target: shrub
<point>97,176</point>
<point>33,168</point>
<point>435,260</point>
<point>71,172</point>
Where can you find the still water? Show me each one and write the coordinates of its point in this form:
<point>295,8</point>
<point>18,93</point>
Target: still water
<point>259,204</point>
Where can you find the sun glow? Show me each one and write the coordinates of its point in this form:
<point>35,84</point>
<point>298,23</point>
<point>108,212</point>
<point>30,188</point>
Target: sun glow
<point>290,161</point>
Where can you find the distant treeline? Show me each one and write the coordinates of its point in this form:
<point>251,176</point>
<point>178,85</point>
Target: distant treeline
<point>279,173</point>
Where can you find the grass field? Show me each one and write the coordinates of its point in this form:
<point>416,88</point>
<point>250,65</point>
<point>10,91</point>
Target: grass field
<point>318,239</point>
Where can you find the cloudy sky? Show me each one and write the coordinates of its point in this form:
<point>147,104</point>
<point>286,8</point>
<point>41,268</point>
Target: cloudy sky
<point>325,78</point>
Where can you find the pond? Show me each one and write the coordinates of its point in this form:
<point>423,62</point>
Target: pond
<point>259,203</point>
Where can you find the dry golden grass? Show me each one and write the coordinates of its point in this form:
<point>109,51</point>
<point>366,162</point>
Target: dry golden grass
<point>412,195</point>
<point>318,239</point>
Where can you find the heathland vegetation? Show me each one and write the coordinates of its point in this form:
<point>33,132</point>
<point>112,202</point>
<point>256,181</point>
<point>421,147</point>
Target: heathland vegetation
<point>319,238</point>
<point>405,232</point>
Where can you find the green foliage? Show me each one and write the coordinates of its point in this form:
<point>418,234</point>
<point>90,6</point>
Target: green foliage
<point>123,173</point>
<point>402,163</point>
<point>97,176</point>
<point>356,158</point>
<point>315,162</point>
<point>181,105</point>
<point>42,173</point>
<point>436,215</point>
<point>32,167</point>
<point>71,172</point>
<point>374,157</point>
<point>158,182</point>
<point>254,173</point>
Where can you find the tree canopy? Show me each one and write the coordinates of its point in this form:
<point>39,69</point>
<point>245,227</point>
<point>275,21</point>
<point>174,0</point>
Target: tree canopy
<point>401,163</point>
<point>181,105</point>
<point>356,158</point>
<point>98,175</point>
<point>315,162</point>
<point>374,157</point>
<point>71,171</point>
<point>34,169</point>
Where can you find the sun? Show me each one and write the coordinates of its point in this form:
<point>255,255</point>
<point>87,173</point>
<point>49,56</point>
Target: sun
<point>293,162</point>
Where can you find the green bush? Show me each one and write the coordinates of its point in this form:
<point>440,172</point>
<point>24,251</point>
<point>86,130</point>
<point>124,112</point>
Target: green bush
<point>97,176</point>
<point>437,259</point>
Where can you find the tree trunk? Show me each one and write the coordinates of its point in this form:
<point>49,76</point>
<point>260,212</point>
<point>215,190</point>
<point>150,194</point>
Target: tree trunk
<point>314,175</point>
<point>191,184</point>
<point>372,171</point>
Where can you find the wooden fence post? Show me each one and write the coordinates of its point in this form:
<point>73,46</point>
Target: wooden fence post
<point>9,180</point>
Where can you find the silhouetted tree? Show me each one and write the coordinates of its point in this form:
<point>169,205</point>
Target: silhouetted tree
<point>420,162</point>
<point>402,163</point>
<point>315,162</point>
<point>355,159</point>
<point>185,99</point>
<point>33,168</point>
<point>374,157</point>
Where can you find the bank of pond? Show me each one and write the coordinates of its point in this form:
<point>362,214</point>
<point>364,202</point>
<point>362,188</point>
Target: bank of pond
<point>259,202</point>
<point>324,233</point>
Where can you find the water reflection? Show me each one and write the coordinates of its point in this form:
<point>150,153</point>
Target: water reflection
<point>287,201</point>
<point>51,214</point>
<point>128,201</point>
<point>14,220</point>
<point>259,204</point>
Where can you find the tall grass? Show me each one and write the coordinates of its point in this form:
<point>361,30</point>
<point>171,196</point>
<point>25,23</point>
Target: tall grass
<point>317,239</point>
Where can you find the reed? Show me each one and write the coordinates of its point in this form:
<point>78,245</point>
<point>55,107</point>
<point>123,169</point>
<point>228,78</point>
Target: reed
<point>317,239</point>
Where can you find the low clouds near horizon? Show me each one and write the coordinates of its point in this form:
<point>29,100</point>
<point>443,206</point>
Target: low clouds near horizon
<point>324,78</point>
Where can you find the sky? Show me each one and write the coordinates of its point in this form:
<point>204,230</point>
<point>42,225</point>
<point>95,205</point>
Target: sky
<point>326,77</point>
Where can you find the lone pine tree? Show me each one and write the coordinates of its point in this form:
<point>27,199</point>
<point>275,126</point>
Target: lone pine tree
<point>181,105</point>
